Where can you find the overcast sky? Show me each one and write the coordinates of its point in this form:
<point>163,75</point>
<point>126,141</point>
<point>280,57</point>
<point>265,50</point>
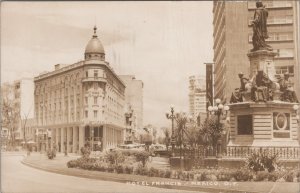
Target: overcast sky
<point>161,43</point>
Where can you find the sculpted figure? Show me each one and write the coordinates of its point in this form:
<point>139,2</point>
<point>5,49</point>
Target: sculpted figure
<point>243,81</point>
<point>289,94</point>
<point>261,87</point>
<point>259,26</point>
<point>236,96</point>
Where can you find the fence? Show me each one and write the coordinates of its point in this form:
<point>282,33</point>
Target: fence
<point>245,151</point>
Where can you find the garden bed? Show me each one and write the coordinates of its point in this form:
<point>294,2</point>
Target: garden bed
<point>135,163</point>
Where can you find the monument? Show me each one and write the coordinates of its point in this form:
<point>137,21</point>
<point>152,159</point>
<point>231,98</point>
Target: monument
<point>263,111</point>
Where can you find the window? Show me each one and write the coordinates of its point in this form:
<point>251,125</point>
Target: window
<point>86,114</point>
<point>285,53</point>
<point>282,36</point>
<point>244,123</point>
<point>95,100</point>
<point>96,73</point>
<point>86,73</point>
<point>95,114</point>
<point>86,100</point>
<point>284,69</point>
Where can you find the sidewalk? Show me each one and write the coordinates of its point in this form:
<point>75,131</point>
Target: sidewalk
<point>58,165</point>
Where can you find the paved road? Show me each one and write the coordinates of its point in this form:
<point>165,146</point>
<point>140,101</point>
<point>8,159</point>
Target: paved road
<point>17,178</point>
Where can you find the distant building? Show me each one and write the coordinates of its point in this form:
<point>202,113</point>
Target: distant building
<point>133,104</point>
<point>232,29</point>
<point>81,103</point>
<point>20,94</point>
<point>197,95</point>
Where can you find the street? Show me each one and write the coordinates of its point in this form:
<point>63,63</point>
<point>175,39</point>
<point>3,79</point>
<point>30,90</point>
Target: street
<point>16,177</point>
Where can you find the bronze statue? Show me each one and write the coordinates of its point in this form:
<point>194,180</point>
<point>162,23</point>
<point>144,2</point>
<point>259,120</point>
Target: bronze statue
<point>243,81</point>
<point>261,87</point>
<point>236,96</point>
<point>289,94</point>
<point>259,25</point>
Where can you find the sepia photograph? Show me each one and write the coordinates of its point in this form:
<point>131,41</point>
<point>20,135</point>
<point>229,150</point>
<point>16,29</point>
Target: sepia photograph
<point>150,96</point>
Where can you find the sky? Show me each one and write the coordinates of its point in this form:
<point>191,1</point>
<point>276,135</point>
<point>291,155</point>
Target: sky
<point>161,43</point>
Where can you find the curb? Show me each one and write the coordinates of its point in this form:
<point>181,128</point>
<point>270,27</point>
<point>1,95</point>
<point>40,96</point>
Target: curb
<point>122,180</point>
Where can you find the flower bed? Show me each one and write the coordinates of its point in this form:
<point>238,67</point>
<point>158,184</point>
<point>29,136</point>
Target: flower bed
<point>196,175</point>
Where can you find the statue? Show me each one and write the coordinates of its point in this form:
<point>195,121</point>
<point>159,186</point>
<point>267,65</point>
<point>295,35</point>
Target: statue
<point>261,87</point>
<point>289,94</point>
<point>236,96</point>
<point>259,25</point>
<point>243,81</point>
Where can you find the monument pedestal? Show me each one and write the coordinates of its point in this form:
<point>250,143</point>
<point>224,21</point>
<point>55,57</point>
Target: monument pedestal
<point>262,60</point>
<point>261,126</point>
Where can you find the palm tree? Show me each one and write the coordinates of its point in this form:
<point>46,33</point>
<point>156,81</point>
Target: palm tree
<point>211,131</point>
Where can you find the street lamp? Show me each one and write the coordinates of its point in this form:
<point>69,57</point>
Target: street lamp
<point>218,110</point>
<point>172,117</point>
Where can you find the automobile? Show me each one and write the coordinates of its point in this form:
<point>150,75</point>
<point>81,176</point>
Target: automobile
<point>132,146</point>
<point>159,150</point>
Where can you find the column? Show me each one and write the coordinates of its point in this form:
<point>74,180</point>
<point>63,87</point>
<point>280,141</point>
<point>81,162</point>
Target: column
<point>104,141</point>
<point>62,139</point>
<point>75,136</point>
<point>57,138</point>
<point>81,137</point>
<point>53,138</point>
<point>68,139</point>
<point>113,137</point>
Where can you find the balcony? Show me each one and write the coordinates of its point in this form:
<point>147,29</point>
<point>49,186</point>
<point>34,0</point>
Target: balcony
<point>94,79</point>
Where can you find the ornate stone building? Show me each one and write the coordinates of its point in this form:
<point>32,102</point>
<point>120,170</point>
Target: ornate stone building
<point>82,102</point>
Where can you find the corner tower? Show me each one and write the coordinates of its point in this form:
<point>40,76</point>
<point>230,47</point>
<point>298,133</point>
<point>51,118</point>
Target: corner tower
<point>94,49</point>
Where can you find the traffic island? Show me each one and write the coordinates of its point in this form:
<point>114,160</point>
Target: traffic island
<point>58,165</point>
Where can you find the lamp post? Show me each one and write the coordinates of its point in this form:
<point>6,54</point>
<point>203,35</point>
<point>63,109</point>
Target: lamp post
<point>172,117</point>
<point>218,110</point>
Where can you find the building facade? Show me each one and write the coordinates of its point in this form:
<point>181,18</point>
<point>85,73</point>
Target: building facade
<point>232,34</point>
<point>81,103</point>
<point>197,96</point>
<point>133,105</point>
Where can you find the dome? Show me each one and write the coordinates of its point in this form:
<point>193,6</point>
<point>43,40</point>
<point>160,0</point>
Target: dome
<point>94,47</point>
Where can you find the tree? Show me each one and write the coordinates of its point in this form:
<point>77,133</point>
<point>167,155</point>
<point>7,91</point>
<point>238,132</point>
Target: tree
<point>167,138</point>
<point>211,132</point>
<point>10,114</point>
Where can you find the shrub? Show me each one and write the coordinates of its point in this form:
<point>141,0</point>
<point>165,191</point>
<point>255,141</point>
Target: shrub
<point>242,175</point>
<point>142,156</point>
<point>141,170</point>
<point>224,175</point>
<point>161,173</point>
<point>110,169</point>
<point>273,176</point>
<point>72,164</point>
<point>153,172</point>
<point>261,175</point>
<point>289,177</point>
<point>167,174</point>
<point>119,169</point>
<point>115,157</point>
<point>85,151</point>
<point>262,161</point>
<point>128,169</point>
<point>51,153</point>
